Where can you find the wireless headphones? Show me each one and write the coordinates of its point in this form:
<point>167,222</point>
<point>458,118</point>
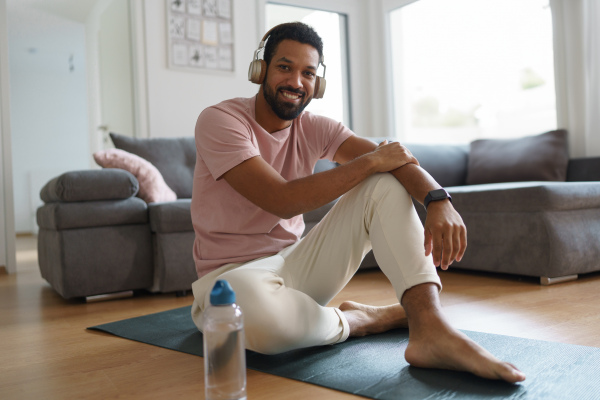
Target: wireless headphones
<point>258,69</point>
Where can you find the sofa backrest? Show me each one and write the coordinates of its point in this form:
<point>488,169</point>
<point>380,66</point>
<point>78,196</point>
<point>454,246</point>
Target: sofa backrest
<point>175,158</point>
<point>583,169</point>
<point>446,163</point>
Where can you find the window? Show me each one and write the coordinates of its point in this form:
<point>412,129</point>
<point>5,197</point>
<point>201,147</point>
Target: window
<point>331,27</point>
<point>468,69</point>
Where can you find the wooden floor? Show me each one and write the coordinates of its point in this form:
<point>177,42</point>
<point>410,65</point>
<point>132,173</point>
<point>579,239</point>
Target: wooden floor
<point>46,352</point>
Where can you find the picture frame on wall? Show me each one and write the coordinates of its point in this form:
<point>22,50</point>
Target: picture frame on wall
<point>200,35</point>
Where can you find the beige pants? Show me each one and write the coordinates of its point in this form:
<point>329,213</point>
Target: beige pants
<point>283,297</point>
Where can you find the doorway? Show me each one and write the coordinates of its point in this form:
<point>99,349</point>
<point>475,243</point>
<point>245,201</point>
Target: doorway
<point>60,101</point>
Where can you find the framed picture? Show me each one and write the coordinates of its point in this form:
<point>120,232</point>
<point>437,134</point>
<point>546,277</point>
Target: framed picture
<point>200,35</point>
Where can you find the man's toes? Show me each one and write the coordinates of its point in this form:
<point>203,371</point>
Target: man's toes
<point>506,372</point>
<point>512,373</point>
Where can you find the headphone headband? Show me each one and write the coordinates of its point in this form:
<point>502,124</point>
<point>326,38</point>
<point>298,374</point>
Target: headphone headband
<point>263,41</point>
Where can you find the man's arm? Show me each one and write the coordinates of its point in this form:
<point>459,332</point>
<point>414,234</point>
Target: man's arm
<point>256,180</point>
<point>445,231</point>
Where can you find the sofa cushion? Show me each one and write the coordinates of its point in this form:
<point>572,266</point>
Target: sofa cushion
<point>58,216</point>
<point>175,158</point>
<point>533,158</point>
<point>174,267</point>
<point>90,185</point>
<point>152,185</point>
<point>174,216</point>
<point>526,197</point>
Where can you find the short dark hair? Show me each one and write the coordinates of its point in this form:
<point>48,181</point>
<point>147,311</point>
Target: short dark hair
<point>298,31</point>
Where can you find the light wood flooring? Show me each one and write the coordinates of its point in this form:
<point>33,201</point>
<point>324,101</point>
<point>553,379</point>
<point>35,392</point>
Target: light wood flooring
<point>46,352</point>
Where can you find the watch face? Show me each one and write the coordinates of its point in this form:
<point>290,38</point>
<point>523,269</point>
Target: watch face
<point>439,194</point>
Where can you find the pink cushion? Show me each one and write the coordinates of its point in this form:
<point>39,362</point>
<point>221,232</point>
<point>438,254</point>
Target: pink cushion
<point>153,188</point>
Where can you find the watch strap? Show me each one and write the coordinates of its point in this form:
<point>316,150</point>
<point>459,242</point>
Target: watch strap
<point>436,195</point>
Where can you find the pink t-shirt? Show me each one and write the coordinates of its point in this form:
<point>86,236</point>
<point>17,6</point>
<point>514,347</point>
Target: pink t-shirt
<point>229,228</point>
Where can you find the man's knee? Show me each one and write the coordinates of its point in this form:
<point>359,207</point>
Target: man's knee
<point>385,184</point>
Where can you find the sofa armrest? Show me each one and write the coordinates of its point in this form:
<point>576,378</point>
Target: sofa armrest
<point>92,214</point>
<point>583,169</point>
<point>90,185</point>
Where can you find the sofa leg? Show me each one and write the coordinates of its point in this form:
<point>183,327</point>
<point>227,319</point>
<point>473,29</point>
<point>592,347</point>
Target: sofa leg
<point>545,281</point>
<point>181,293</point>
<point>109,296</point>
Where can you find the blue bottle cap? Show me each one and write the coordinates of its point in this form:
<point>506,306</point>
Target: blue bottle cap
<point>222,294</point>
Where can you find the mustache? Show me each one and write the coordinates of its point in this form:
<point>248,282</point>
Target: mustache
<point>291,89</point>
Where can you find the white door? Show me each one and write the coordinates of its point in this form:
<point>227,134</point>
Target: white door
<point>115,72</point>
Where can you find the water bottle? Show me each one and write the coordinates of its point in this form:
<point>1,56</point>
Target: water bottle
<point>224,352</point>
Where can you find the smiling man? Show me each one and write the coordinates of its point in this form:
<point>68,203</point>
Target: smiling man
<point>295,98</point>
<point>252,183</point>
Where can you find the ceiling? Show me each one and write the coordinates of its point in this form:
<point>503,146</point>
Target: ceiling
<point>76,10</point>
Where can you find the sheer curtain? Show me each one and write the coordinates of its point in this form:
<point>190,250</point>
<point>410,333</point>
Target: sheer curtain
<point>577,71</point>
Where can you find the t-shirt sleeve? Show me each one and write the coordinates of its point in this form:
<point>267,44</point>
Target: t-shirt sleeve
<point>329,134</point>
<point>223,141</point>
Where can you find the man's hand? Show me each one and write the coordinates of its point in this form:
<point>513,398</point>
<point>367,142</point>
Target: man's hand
<point>390,156</point>
<point>445,234</point>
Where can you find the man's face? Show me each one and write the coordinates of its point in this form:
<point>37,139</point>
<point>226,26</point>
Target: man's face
<point>290,81</point>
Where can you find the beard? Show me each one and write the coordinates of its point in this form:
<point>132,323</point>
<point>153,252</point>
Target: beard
<point>283,109</point>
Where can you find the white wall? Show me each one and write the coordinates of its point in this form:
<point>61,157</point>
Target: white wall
<point>49,115</point>
<point>7,231</point>
<point>175,97</point>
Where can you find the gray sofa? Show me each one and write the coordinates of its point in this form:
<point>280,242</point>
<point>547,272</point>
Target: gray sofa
<point>96,237</point>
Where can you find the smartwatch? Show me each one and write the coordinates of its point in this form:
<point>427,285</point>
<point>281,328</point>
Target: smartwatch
<point>436,195</point>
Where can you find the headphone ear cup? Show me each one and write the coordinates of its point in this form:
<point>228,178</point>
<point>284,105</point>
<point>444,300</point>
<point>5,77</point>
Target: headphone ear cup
<point>320,85</point>
<point>263,71</point>
<point>257,71</point>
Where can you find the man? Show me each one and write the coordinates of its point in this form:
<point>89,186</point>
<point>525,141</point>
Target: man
<point>253,182</point>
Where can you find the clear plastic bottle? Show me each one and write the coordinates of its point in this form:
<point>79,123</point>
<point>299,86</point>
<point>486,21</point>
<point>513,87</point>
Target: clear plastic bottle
<point>224,352</point>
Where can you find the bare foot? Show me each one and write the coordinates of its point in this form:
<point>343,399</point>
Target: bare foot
<point>368,320</point>
<point>447,348</point>
<point>433,343</point>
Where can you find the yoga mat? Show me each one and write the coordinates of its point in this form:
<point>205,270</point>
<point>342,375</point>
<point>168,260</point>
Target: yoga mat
<point>374,366</point>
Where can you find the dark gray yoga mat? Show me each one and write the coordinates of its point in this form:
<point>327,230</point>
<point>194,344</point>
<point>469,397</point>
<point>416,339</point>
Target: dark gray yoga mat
<point>374,366</point>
